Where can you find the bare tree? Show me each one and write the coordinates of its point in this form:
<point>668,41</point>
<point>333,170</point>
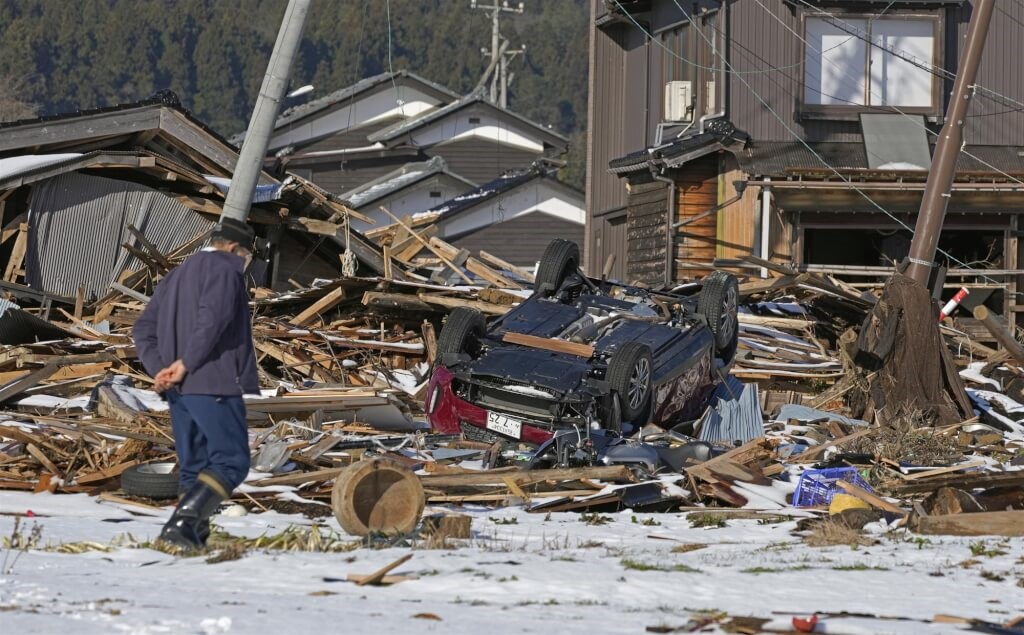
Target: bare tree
<point>13,104</point>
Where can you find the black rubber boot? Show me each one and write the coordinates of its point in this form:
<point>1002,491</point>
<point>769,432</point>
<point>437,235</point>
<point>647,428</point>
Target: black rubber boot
<point>189,526</point>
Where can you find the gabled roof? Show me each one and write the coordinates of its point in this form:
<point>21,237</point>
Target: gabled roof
<point>392,133</point>
<point>492,189</point>
<point>316,105</point>
<point>397,180</point>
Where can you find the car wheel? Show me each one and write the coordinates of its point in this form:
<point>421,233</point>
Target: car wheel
<point>151,480</point>
<point>560,259</point>
<point>630,376</point>
<point>461,332</point>
<point>718,303</point>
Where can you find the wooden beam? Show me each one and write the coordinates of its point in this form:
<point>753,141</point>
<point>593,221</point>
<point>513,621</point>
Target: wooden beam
<point>507,266</point>
<point>131,293</point>
<point>396,301</point>
<point>17,259</point>
<point>426,244</point>
<point>997,327</point>
<point>451,303</point>
<point>1007,523</point>
<point>325,303</point>
<point>22,384</point>
<point>611,473</point>
<point>154,253</point>
<point>870,498</point>
<point>550,344</point>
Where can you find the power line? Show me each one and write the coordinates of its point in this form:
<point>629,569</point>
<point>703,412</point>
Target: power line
<point>825,163</point>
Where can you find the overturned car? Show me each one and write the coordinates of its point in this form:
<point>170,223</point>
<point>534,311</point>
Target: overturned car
<point>582,360</point>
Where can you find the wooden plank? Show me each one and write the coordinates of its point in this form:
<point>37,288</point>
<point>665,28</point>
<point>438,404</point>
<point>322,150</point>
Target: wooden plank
<point>301,478</point>
<point>490,275</point>
<point>79,301</point>
<point>507,266</point>
<point>426,244</point>
<point>22,384</point>
<point>396,301</point>
<point>1006,523</point>
<point>868,497</point>
<point>943,470</point>
<point>12,228</point>
<point>314,226</point>
<point>387,261</point>
<point>451,303</point>
<point>45,460</point>
<point>967,482</point>
<point>408,248</point>
<point>131,293</point>
<point>611,473</point>
<point>741,455</point>
<point>550,344</point>
<point>108,473</point>
<point>14,263</point>
<point>154,253</point>
<point>325,303</point>
<point>429,341</point>
<point>377,576</point>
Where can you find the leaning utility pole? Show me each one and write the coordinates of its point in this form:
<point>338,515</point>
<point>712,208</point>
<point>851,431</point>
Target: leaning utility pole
<point>937,190</point>
<point>264,114</point>
<point>497,68</point>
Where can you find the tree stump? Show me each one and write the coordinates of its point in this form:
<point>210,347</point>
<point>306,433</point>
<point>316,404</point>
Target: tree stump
<point>377,496</point>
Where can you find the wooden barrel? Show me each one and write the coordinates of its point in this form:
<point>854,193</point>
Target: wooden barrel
<point>377,496</point>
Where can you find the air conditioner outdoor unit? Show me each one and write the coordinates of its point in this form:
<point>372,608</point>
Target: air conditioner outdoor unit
<point>678,101</point>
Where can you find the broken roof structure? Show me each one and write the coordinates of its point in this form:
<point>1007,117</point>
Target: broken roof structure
<point>103,193</point>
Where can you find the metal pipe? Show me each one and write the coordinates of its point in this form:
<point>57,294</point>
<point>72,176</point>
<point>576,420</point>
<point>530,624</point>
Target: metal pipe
<point>670,231</point>
<point>943,169</point>
<point>766,218</point>
<point>721,85</point>
<point>264,114</point>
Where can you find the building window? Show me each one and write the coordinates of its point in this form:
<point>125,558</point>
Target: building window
<point>474,120</point>
<point>857,62</point>
<point>435,194</point>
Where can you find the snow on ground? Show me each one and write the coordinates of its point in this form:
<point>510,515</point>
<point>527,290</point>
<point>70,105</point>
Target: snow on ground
<point>521,573</point>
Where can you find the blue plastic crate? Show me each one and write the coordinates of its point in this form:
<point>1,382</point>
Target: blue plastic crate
<point>816,487</point>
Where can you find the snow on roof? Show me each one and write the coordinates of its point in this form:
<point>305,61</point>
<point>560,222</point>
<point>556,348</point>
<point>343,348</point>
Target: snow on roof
<point>13,166</point>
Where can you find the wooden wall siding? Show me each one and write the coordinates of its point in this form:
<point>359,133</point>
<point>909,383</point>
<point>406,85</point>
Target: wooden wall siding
<point>755,29</point>
<point>696,193</point>
<point>481,160</point>
<point>343,139</point>
<point>738,222</point>
<point>646,214</point>
<point>521,240</point>
<point>608,234</point>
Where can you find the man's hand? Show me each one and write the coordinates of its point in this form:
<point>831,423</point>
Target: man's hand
<point>170,376</point>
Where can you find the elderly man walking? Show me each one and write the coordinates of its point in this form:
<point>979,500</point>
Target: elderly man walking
<point>195,340</point>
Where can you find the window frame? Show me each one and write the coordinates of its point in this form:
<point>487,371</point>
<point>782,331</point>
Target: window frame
<point>933,113</point>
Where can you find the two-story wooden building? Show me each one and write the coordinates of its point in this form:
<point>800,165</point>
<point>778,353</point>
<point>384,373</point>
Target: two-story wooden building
<point>800,131</point>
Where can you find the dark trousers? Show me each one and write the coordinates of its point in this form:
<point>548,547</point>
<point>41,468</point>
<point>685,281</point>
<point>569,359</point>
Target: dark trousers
<point>210,434</point>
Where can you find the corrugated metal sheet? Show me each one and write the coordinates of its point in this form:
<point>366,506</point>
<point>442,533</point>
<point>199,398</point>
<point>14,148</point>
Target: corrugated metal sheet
<point>736,416</point>
<point>78,223</point>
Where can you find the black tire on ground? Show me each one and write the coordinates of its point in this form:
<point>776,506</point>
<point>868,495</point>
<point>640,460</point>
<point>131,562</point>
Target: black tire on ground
<point>561,258</point>
<point>461,332</point>
<point>630,374</point>
<point>151,480</point>
<point>718,302</point>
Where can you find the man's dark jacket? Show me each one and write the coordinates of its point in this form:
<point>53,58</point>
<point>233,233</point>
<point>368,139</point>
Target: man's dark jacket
<point>199,313</point>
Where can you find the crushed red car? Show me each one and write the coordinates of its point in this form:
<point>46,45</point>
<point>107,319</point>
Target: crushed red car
<point>583,358</point>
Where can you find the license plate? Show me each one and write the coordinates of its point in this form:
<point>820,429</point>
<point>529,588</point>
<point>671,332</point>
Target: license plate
<point>504,424</point>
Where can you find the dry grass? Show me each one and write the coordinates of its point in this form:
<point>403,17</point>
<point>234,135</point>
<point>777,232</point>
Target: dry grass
<point>910,439</point>
<point>830,532</point>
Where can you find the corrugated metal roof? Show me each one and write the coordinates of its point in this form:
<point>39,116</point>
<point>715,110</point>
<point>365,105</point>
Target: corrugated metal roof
<point>413,123</point>
<point>736,415</point>
<point>680,150</point>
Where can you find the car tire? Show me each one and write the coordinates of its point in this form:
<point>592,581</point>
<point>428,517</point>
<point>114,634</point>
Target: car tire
<point>630,375</point>
<point>560,259</point>
<point>718,302</point>
<point>461,332</point>
<point>158,481</point>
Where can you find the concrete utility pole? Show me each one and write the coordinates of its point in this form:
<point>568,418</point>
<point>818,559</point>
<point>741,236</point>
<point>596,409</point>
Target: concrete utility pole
<point>938,189</point>
<point>498,53</point>
<point>264,114</point>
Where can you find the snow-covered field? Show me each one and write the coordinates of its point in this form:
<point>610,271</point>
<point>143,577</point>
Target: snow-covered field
<point>521,573</point>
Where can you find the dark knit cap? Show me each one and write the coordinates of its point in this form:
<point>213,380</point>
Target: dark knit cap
<point>234,231</point>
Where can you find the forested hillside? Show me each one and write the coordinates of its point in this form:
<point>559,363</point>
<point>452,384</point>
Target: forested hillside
<point>57,56</point>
